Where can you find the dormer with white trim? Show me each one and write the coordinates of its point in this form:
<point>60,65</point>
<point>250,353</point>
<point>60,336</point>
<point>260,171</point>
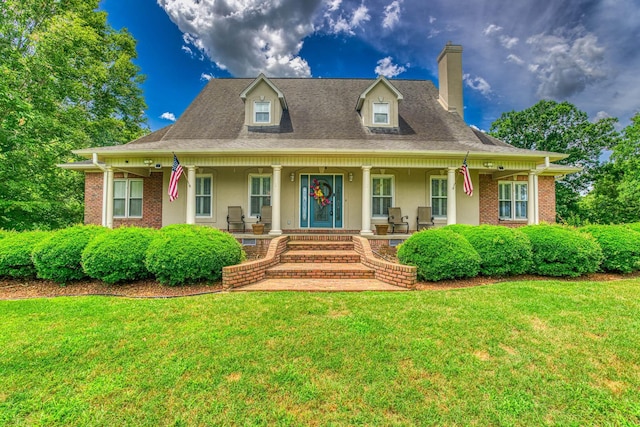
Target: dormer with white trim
<point>264,104</point>
<point>378,106</point>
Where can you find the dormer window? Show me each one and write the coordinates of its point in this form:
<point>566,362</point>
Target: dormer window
<point>262,111</point>
<point>381,113</point>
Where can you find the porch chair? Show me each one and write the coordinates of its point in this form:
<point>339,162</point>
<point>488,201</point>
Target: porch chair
<point>397,220</point>
<point>425,219</point>
<point>235,216</point>
<point>265,215</point>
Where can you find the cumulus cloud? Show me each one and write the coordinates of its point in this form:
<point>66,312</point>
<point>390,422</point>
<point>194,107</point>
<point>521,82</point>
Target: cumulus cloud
<point>387,68</point>
<point>168,116</point>
<point>349,24</point>
<point>206,76</point>
<point>477,83</point>
<point>247,37</point>
<point>565,64</point>
<point>509,42</point>
<point>391,14</point>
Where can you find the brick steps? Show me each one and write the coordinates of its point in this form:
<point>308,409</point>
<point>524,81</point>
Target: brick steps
<point>320,285</point>
<point>316,245</point>
<point>320,256</point>
<point>329,270</point>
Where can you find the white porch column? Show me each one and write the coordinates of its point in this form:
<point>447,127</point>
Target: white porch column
<point>109,197</point>
<point>366,202</point>
<point>451,195</point>
<point>275,201</point>
<point>536,208</point>
<point>531,203</point>
<point>191,194</point>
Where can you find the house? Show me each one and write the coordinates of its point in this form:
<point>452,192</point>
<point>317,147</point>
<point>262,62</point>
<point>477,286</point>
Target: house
<point>367,144</point>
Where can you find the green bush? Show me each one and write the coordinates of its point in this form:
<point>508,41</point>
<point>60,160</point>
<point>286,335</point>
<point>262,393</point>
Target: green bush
<point>119,255</point>
<point>15,253</point>
<point>635,226</point>
<point>59,257</point>
<point>503,251</point>
<point>620,247</point>
<point>562,251</point>
<point>184,253</point>
<point>440,254</point>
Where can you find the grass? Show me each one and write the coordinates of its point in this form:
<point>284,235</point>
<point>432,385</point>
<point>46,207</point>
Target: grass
<point>517,353</point>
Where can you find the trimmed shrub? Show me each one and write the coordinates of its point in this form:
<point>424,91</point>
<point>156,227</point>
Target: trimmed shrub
<point>182,253</point>
<point>118,256</point>
<point>15,253</point>
<point>620,247</point>
<point>440,254</point>
<point>562,251</point>
<point>503,251</point>
<point>59,257</point>
<point>634,226</point>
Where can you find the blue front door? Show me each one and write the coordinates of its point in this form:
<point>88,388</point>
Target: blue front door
<point>321,201</point>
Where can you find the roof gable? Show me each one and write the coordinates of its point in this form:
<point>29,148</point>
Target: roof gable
<point>262,78</point>
<point>380,80</point>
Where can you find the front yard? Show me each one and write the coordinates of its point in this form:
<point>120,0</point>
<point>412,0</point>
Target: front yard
<point>514,353</point>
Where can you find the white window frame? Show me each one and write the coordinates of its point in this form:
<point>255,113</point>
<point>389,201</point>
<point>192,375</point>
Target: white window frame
<point>127,197</point>
<point>210,195</point>
<point>268,194</point>
<point>441,197</point>
<point>387,113</point>
<point>257,111</point>
<point>373,197</point>
<point>514,199</point>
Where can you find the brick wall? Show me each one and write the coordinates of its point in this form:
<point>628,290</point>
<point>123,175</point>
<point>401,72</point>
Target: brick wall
<point>395,274</point>
<point>489,201</point>
<point>93,198</point>
<point>254,271</point>
<point>547,199</point>
<point>151,205</point>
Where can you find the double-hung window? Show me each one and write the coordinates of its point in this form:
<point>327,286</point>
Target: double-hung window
<point>381,113</point>
<point>127,198</point>
<point>203,195</point>
<point>262,112</point>
<point>513,198</point>
<point>439,197</point>
<point>382,199</point>
<point>259,193</point>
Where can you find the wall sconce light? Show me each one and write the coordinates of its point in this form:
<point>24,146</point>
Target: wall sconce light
<point>148,162</point>
<point>350,176</point>
<point>488,164</point>
<point>292,177</point>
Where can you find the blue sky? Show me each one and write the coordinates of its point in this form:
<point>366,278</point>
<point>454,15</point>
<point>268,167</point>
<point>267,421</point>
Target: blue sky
<point>515,52</point>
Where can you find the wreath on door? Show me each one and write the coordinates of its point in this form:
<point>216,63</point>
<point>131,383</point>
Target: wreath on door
<point>321,192</point>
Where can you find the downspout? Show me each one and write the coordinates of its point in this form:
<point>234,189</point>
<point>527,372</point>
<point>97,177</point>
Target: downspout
<point>104,188</point>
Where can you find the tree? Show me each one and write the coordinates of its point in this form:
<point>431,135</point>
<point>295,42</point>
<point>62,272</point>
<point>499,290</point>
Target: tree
<point>616,194</point>
<point>67,81</point>
<point>561,128</point>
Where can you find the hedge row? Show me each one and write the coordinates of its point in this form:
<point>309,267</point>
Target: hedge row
<point>173,255</point>
<point>547,250</point>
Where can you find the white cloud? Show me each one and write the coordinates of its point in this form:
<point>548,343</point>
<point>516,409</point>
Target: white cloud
<point>387,68</point>
<point>601,115</point>
<point>205,76</point>
<point>492,29</point>
<point>477,83</point>
<point>342,25</point>
<point>248,36</point>
<point>432,19</point>
<point>566,63</point>
<point>509,42</point>
<point>391,14</point>
<point>333,5</point>
<point>168,116</point>
<point>515,59</point>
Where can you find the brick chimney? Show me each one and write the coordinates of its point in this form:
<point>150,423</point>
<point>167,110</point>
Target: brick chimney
<point>450,78</point>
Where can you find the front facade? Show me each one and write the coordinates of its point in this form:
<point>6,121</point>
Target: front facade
<point>366,145</point>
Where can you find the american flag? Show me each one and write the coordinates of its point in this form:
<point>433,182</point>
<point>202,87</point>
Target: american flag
<point>176,171</point>
<point>468,186</point>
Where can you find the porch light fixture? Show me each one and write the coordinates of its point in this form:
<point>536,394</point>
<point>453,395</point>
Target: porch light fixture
<point>350,176</point>
<point>292,177</point>
<point>488,164</point>
<point>148,162</point>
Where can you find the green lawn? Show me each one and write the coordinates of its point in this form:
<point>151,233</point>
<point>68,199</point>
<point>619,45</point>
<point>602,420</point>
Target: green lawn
<point>518,353</point>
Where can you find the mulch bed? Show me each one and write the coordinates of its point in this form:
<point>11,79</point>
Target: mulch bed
<point>17,289</point>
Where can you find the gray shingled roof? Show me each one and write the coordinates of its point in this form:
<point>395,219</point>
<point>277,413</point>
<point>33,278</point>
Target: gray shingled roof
<point>321,117</point>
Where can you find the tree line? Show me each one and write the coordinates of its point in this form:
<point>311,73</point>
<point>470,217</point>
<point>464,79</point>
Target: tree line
<point>68,81</point>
